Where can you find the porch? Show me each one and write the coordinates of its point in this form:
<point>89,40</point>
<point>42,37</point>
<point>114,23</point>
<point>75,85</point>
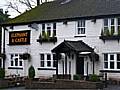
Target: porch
<point>77,54</point>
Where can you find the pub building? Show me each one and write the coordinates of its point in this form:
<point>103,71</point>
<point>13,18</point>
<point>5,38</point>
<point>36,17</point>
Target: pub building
<point>64,37</point>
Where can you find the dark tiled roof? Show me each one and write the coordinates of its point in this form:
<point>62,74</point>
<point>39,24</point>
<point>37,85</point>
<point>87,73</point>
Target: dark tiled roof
<point>71,10</point>
<point>77,46</point>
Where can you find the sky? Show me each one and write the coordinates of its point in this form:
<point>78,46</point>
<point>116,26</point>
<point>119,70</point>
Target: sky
<point>11,12</point>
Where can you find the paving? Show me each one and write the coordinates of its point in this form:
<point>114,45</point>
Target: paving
<point>110,87</point>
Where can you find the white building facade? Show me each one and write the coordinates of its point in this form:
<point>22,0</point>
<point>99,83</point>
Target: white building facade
<point>101,34</point>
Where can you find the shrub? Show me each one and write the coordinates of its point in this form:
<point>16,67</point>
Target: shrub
<point>76,77</point>
<point>31,72</point>
<point>94,78</point>
<point>2,73</point>
<point>118,32</point>
<point>112,31</point>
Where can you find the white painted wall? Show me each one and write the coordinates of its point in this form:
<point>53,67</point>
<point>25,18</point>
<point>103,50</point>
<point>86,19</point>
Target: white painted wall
<point>64,32</point>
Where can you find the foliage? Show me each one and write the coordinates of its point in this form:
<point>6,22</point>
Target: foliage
<point>2,73</point>
<point>26,56</point>
<point>31,72</point>
<point>76,77</point>
<point>118,32</point>
<point>107,32</point>
<point>112,31</point>
<point>94,78</point>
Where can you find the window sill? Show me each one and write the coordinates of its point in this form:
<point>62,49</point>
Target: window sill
<point>111,71</point>
<point>80,36</point>
<point>15,68</point>
<point>41,68</point>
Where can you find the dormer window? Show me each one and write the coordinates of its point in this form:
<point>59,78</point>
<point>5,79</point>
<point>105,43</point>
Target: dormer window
<point>80,28</point>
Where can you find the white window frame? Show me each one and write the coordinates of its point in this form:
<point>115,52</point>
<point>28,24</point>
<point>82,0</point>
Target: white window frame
<point>46,61</point>
<point>51,25</point>
<point>115,61</point>
<point>82,26</point>
<point>13,59</point>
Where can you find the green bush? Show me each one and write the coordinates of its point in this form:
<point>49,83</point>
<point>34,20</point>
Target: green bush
<point>2,73</point>
<point>76,77</point>
<point>118,32</point>
<point>112,31</point>
<point>94,78</point>
<point>31,72</point>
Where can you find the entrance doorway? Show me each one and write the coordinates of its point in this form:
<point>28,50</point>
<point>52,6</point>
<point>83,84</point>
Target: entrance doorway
<point>80,65</point>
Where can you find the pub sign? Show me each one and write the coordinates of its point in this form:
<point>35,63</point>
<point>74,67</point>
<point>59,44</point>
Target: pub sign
<point>19,37</point>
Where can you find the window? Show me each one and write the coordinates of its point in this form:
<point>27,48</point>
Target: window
<point>16,60</point>
<point>81,27</point>
<point>112,24</point>
<point>49,29</point>
<point>112,61</point>
<point>47,60</point>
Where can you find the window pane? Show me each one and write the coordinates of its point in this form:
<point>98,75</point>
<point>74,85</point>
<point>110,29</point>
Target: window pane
<point>111,65</point>
<point>54,57</point>
<point>11,56</point>
<point>118,65</point>
<point>106,22</point>
<point>42,63</point>
<point>54,26</point>
<point>105,64</point>
<point>112,21</point>
<point>20,62</point>
<point>118,21</point>
<point>48,57</point>
<point>54,32</point>
<point>111,57</point>
<point>42,56</point>
<point>16,54</point>
<point>105,57</point>
<point>118,57</point>
<point>16,61</point>
<point>20,56</point>
<point>11,63</point>
<point>48,63</point>
<point>82,30</point>
<point>43,26</point>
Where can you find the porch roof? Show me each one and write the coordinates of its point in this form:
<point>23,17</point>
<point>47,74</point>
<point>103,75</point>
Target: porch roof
<point>77,46</point>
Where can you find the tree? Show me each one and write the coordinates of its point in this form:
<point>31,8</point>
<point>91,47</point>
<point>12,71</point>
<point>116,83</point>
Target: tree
<point>26,4</point>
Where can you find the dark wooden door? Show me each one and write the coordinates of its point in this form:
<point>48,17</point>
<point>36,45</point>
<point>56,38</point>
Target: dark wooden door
<point>80,65</point>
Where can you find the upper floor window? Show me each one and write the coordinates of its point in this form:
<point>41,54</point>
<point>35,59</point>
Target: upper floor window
<point>111,61</point>
<point>111,26</point>
<point>47,60</point>
<point>16,60</point>
<point>81,27</point>
<point>49,29</point>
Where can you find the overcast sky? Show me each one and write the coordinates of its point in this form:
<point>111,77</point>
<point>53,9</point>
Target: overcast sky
<point>11,12</point>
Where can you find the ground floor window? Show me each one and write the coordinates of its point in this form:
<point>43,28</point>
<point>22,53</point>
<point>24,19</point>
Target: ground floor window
<point>111,61</point>
<point>47,60</point>
<point>16,60</point>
